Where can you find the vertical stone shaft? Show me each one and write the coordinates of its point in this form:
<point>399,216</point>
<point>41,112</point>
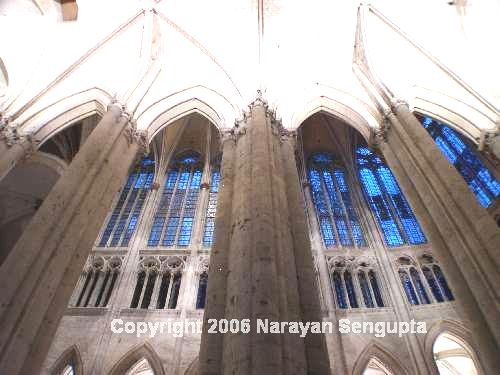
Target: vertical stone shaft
<point>211,344</point>
<point>462,234</point>
<point>10,155</point>
<point>316,350</point>
<point>113,178</point>
<point>261,269</point>
<point>60,234</point>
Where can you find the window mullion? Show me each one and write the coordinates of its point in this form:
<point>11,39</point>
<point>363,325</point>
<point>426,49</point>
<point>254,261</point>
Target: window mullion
<point>344,209</point>
<point>390,205</point>
<point>329,206</point>
<point>172,199</point>
<point>108,242</point>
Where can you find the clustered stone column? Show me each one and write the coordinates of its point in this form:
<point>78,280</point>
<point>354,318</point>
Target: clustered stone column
<point>13,147</point>
<point>261,263</point>
<point>38,276</point>
<point>464,237</point>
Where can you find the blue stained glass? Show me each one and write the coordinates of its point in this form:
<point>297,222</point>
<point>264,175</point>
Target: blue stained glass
<point>482,183</point>
<point>379,206</point>
<point>189,159</point>
<point>357,233</point>
<point>377,179</point>
<point>321,208</point>
<point>170,231</point>
<point>338,212</point>
<point>408,287</point>
<point>424,299</point>
<point>339,290</point>
<point>350,289</point>
<point>202,291</point>
<point>408,220</point>
<point>332,201</point>
<point>443,283</point>
<point>322,158</point>
<point>433,284</point>
<point>365,289</point>
<point>376,289</point>
<point>127,210</point>
<point>208,234</point>
<point>137,210</point>
<point>116,211</point>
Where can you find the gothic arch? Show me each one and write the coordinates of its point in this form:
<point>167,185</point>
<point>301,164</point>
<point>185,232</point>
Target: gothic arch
<point>196,99</point>
<point>377,351</point>
<point>457,329</point>
<point>70,356</point>
<point>135,354</point>
<point>63,113</point>
<point>343,106</point>
<point>460,115</point>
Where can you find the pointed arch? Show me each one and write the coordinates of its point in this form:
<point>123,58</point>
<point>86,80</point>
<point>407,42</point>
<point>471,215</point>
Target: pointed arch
<point>70,356</point>
<point>339,104</point>
<point>196,99</point>
<point>459,114</point>
<point>57,116</point>
<point>376,351</point>
<point>142,351</point>
<point>453,328</point>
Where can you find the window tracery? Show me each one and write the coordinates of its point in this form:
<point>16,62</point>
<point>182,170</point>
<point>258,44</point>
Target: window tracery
<point>97,282</point>
<point>392,211</point>
<point>338,220</point>
<point>423,282</point>
<point>174,218</point>
<point>122,222</point>
<point>158,282</point>
<point>201,295</point>
<point>461,155</point>
<point>355,283</point>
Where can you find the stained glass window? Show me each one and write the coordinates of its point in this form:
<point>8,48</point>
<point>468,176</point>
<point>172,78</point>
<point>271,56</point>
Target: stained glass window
<point>339,290</point>
<point>174,218</point>
<point>123,221</point>
<point>337,217</point>
<point>459,153</point>
<point>394,215</point>
<point>422,294</point>
<point>208,234</point>
<point>376,289</point>
<point>351,293</point>
<point>202,291</point>
<point>443,283</point>
<point>365,289</point>
<point>408,287</point>
<point>431,280</point>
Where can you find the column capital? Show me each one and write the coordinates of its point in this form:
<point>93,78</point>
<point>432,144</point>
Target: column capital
<point>397,102</point>
<point>12,135</point>
<point>137,136</point>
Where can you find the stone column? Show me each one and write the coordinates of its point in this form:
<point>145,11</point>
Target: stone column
<point>37,278</point>
<point>211,344</point>
<point>464,237</point>
<point>316,350</point>
<point>13,147</point>
<point>259,277</point>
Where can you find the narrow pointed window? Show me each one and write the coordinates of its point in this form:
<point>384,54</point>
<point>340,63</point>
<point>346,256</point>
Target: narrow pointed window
<point>123,220</point>
<point>365,289</point>
<point>422,294</point>
<point>202,291</point>
<point>174,218</point>
<point>338,220</point>
<point>461,155</point>
<point>351,293</point>
<point>339,290</point>
<point>392,211</point>
<point>208,234</point>
<point>431,280</point>
<point>408,287</point>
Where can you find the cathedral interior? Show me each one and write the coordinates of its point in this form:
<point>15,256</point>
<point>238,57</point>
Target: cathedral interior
<point>184,161</point>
